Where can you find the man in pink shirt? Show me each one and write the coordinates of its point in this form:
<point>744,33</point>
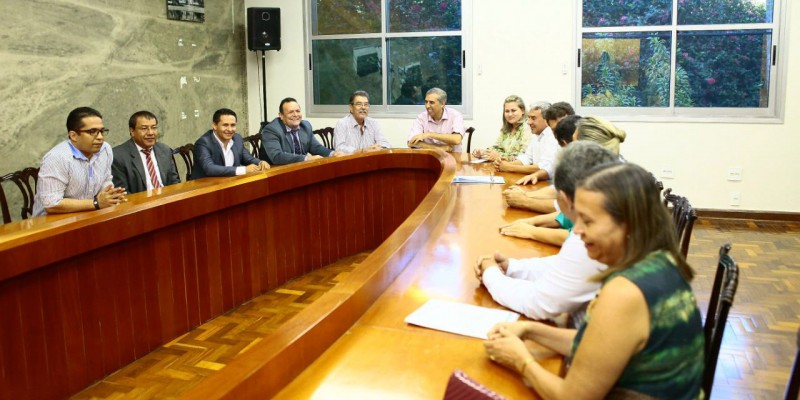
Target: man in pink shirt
<point>438,127</point>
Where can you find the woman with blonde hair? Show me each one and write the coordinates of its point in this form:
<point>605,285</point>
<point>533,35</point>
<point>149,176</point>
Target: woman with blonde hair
<point>513,135</point>
<point>642,336</point>
<point>600,131</point>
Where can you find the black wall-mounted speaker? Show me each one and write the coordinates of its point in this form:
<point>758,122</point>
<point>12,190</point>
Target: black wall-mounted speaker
<point>263,28</point>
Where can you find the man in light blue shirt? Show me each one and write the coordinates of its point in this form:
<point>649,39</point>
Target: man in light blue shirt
<point>76,174</point>
<point>356,132</point>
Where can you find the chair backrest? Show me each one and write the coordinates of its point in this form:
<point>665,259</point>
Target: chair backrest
<point>684,216</point>
<point>25,180</point>
<point>793,388</point>
<point>254,141</point>
<point>186,152</point>
<point>462,387</point>
<point>469,133</point>
<point>726,280</point>
<point>325,136</point>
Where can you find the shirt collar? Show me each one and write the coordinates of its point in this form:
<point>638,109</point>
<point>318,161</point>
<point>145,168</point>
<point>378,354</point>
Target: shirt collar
<point>77,153</point>
<point>226,148</point>
<point>444,116</point>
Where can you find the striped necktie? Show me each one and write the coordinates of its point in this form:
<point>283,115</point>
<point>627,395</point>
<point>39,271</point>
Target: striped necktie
<point>296,141</point>
<point>151,169</point>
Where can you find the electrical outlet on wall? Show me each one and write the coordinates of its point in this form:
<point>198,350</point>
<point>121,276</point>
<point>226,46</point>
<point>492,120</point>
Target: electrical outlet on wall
<point>735,174</point>
<point>736,198</point>
<point>666,173</point>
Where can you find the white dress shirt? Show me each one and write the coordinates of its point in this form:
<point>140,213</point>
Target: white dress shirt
<point>543,288</point>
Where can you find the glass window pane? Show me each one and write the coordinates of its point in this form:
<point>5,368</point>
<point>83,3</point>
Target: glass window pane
<point>702,12</point>
<point>343,66</point>
<point>726,68</point>
<point>626,69</point>
<point>423,63</point>
<point>598,13</point>
<point>335,17</point>
<point>424,15</point>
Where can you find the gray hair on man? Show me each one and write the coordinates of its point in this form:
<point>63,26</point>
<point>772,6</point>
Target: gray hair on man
<point>575,161</point>
<point>540,105</point>
<point>441,94</point>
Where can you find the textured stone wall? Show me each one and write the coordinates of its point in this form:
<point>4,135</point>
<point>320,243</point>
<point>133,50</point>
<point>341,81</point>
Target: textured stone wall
<point>118,56</point>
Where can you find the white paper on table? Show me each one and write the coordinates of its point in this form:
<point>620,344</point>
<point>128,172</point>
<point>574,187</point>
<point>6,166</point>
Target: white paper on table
<point>479,179</point>
<point>459,318</point>
<point>478,160</point>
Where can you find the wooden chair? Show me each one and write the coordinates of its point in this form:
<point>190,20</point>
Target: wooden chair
<point>726,280</point>
<point>255,144</point>
<point>186,152</point>
<point>25,180</point>
<point>462,387</point>
<point>469,133</point>
<point>793,388</point>
<point>683,215</point>
<point>325,136</point>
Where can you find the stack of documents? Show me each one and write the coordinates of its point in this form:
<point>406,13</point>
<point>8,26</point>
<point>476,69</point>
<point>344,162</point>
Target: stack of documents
<point>479,179</point>
<point>462,319</point>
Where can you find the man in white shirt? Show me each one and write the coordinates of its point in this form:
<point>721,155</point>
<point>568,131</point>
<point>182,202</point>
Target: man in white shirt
<point>543,288</point>
<point>357,133</point>
<point>439,127</point>
<point>220,151</point>
<point>542,148</point>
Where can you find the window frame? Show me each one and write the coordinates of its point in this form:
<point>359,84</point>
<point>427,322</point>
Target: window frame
<point>773,113</point>
<point>385,110</point>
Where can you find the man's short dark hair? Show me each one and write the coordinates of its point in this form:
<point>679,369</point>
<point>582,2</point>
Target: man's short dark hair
<point>558,110</point>
<point>358,93</point>
<point>566,128</point>
<point>223,111</point>
<point>575,161</point>
<point>75,117</point>
<point>284,101</point>
<point>140,114</point>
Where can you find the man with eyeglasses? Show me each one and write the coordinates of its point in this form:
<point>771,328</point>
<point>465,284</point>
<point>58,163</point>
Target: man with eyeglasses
<point>289,138</point>
<point>76,174</point>
<point>142,163</point>
<point>356,132</point>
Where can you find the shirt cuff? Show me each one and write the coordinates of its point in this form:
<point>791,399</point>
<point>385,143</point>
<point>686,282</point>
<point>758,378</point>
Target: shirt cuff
<point>241,170</point>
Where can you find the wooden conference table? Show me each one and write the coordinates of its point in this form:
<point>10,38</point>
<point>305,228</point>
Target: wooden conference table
<point>381,357</point>
<point>82,295</point>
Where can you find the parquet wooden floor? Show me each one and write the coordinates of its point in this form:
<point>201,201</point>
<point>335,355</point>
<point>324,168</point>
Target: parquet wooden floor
<point>757,351</point>
<point>179,365</point>
<point>759,343</point>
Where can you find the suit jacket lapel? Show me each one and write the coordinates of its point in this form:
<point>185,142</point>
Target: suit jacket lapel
<point>136,160</point>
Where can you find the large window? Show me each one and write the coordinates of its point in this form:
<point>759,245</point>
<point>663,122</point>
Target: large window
<point>394,49</point>
<point>679,57</point>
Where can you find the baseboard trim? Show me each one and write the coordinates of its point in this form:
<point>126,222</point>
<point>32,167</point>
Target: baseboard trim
<point>751,215</point>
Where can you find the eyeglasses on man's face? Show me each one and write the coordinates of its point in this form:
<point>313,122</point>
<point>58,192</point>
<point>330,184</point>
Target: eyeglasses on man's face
<point>95,131</point>
<point>360,104</point>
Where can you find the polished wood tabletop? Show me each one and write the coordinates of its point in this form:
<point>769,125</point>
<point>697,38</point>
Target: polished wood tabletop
<point>381,356</point>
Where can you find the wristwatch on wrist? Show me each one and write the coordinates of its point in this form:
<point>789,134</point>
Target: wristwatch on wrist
<point>96,203</point>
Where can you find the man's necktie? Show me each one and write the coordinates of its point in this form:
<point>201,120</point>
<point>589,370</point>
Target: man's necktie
<point>296,140</point>
<point>151,169</point>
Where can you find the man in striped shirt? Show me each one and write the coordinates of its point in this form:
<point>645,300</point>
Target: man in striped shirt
<point>76,174</point>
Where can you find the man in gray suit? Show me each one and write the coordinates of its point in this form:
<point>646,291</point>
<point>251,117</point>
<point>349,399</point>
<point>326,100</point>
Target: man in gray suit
<point>142,163</point>
<point>289,139</point>
<point>221,152</point>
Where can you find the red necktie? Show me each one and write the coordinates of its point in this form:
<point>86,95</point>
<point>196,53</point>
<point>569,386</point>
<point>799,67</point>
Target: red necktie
<point>151,169</point>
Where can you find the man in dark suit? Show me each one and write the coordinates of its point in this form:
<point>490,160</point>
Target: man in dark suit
<point>142,163</point>
<point>289,139</point>
<point>221,152</point>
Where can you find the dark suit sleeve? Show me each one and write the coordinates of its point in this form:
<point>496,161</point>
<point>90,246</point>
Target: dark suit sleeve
<point>203,159</point>
<point>271,146</point>
<point>316,147</point>
<point>119,174</point>
<point>167,166</point>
